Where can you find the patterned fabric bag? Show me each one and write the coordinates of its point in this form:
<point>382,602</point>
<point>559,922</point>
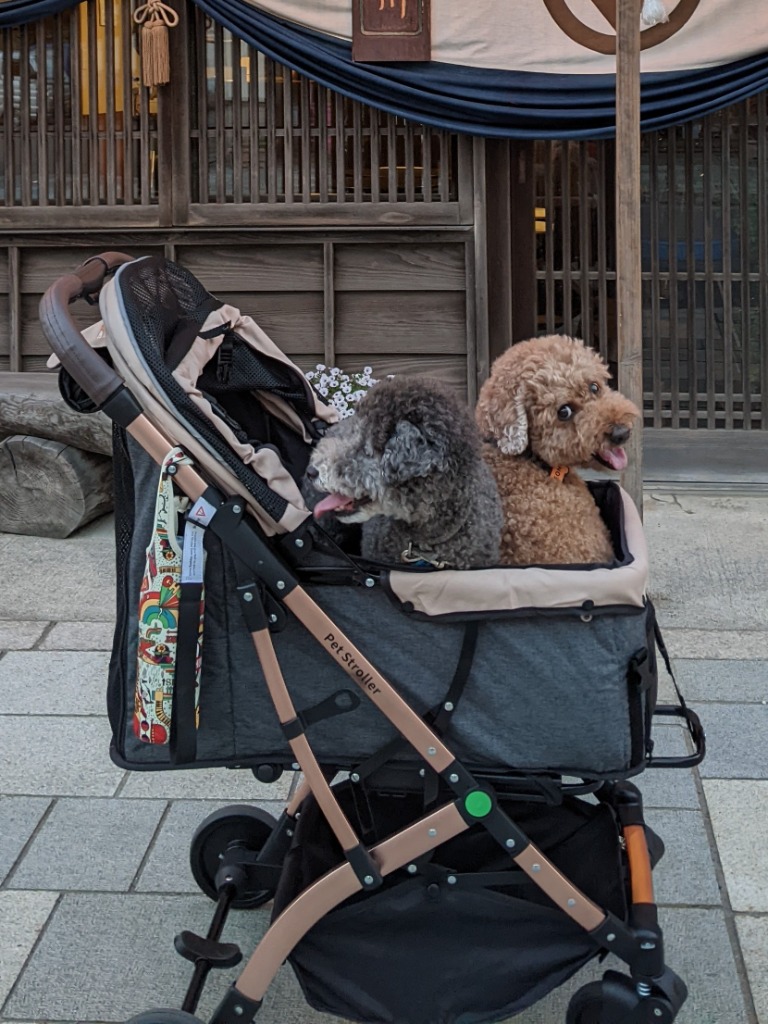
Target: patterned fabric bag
<point>173,575</point>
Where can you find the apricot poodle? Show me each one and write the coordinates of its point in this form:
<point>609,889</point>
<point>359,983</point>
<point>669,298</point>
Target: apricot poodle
<point>545,409</point>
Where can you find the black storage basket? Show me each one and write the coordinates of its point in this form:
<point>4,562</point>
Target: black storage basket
<point>481,946</point>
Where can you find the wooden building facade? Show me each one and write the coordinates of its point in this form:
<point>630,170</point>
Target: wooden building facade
<point>355,238</point>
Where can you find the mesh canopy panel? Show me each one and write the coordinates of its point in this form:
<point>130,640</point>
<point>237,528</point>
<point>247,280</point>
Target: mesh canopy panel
<point>158,297</point>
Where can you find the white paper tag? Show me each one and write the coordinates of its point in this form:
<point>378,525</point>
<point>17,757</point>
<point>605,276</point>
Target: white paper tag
<point>193,554</point>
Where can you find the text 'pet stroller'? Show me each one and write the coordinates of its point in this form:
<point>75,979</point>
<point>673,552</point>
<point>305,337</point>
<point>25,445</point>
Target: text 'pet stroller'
<point>455,874</point>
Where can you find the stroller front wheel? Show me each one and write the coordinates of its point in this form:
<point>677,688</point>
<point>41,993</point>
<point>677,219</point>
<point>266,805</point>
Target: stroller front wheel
<point>238,827</point>
<point>586,1006</point>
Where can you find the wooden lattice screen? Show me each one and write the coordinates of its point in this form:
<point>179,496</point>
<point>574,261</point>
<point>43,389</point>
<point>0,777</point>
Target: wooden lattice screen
<point>704,263</point>
<point>261,133</point>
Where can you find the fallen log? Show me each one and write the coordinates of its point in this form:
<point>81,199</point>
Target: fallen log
<point>49,489</point>
<point>30,403</point>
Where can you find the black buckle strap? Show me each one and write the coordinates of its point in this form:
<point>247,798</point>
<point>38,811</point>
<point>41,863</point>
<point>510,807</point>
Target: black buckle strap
<point>183,738</point>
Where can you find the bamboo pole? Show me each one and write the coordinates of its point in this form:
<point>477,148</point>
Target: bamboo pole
<point>629,282</point>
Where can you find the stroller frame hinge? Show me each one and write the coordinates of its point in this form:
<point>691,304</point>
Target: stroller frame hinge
<point>235,1008</point>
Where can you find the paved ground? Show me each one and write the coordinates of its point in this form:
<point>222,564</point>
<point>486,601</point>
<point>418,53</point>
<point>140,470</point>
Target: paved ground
<point>93,861</point>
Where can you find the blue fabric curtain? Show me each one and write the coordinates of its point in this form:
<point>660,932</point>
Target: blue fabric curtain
<point>505,104</point>
<point>19,12</point>
<point>479,101</point>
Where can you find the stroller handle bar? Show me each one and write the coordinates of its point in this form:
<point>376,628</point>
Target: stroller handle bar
<point>94,375</point>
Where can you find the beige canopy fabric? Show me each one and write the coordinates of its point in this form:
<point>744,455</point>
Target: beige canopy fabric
<point>560,36</point>
<point>454,592</point>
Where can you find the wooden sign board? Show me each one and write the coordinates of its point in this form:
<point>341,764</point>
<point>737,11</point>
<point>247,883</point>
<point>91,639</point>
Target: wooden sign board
<point>390,30</point>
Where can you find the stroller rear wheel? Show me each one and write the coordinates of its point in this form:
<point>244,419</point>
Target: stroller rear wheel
<point>238,827</point>
<point>164,1017</point>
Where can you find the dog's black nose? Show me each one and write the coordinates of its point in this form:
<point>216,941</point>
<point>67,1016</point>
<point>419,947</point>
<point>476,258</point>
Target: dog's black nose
<point>619,434</point>
<point>312,473</point>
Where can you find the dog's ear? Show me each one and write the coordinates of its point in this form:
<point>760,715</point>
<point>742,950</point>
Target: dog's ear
<point>407,454</point>
<point>502,417</point>
<point>514,434</point>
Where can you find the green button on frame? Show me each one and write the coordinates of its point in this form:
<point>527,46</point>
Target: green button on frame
<point>478,804</point>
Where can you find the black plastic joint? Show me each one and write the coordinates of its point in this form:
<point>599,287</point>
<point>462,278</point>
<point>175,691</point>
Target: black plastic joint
<point>241,536</point>
<point>121,407</point>
<point>364,867</point>
<point>459,779</point>
<point>292,729</point>
<point>614,936</point>
<point>252,608</point>
<point>628,802</point>
<point>235,1008</point>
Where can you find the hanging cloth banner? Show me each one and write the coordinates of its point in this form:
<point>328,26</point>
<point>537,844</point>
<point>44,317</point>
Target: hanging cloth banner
<point>559,36</point>
<point>508,70</point>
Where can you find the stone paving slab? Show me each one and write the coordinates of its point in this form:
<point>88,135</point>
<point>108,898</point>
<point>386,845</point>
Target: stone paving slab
<point>21,635</point>
<point>167,866</point>
<point>90,844</point>
<point>44,755</point>
<point>63,580</point>
<point>126,941</point>
<point>230,784</point>
<point>726,680</point>
<point>738,810</point>
<point>19,817</point>
<point>728,644</point>
<point>707,558</point>
<point>736,740</point>
<point>23,914</point>
<point>79,636</point>
<point>686,873</point>
<point>753,936</point>
<point>53,683</point>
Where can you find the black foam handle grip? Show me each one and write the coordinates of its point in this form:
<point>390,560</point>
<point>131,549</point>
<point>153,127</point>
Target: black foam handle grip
<point>92,373</point>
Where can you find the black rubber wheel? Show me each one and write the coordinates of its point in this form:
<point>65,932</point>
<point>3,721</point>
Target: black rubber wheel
<point>249,827</point>
<point>164,1017</point>
<point>586,1005</point>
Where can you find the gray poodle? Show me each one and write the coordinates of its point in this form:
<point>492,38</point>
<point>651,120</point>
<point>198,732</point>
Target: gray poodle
<point>408,466</point>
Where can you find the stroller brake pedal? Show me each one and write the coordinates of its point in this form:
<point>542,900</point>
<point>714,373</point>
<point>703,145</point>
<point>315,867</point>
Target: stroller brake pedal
<point>198,949</point>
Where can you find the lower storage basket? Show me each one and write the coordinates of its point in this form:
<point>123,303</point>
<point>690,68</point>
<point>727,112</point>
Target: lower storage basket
<point>550,691</point>
<point>423,950</point>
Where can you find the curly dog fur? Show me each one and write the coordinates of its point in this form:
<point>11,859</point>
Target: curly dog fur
<point>547,404</point>
<point>408,466</point>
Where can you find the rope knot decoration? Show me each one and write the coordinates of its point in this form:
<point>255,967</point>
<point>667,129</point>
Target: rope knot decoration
<point>155,19</point>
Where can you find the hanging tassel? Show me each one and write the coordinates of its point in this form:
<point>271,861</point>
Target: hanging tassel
<point>155,19</point>
<point>654,13</point>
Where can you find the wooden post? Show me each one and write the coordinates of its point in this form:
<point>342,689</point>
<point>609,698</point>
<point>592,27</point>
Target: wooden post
<point>629,282</point>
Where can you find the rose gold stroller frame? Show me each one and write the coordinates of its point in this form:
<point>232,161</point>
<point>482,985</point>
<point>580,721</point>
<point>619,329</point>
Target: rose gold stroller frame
<point>639,943</point>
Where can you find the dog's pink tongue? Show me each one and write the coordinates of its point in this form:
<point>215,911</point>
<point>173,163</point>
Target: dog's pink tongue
<point>615,457</point>
<point>330,503</point>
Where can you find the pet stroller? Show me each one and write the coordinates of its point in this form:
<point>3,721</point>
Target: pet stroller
<point>465,837</point>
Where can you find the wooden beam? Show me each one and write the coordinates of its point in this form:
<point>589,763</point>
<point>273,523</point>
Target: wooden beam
<point>629,282</point>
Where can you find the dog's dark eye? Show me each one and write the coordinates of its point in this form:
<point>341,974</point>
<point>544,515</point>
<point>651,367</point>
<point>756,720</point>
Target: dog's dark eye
<point>594,387</point>
<point>564,412</point>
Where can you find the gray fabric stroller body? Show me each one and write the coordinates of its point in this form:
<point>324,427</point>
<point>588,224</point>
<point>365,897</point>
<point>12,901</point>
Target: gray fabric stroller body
<point>468,712</point>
